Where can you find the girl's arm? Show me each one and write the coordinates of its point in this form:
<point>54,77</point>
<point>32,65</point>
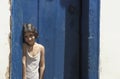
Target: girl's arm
<point>42,63</point>
<point>24,62</point>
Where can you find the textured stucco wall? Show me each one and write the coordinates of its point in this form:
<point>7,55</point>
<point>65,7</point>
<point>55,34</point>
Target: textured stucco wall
<point>110,39</point>
<point>4,35</point>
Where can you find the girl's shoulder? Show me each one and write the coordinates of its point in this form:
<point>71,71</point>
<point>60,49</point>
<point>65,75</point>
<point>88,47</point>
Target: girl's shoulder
<point>39,45</point>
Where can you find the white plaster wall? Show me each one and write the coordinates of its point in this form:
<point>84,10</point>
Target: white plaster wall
<point>110,39</point>
<point>4,32</point>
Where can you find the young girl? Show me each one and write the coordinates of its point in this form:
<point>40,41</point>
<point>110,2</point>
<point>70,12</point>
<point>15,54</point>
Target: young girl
<point>33,54</point>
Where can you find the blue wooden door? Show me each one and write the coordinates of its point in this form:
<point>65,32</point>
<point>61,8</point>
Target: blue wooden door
<point>52,35</point>
<point>62,25</point>
<point>16,40</point>
<point>48,16</point>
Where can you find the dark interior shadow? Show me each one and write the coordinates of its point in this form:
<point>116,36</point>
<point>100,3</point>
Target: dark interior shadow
<point>76,38</point>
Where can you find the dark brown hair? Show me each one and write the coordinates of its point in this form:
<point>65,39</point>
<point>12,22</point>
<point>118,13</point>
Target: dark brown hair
<point>29,28</point>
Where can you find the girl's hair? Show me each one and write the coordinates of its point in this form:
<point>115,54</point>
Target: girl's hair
<point>29,28</point>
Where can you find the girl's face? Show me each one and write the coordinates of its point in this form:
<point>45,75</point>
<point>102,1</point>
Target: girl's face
<point>29,38</point>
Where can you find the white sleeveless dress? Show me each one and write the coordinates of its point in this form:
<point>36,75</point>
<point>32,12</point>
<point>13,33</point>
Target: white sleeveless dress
<point>32,66</point>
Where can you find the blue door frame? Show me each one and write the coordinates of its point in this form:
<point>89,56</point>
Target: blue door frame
<point>94,21</point>
<point>51,14</point>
